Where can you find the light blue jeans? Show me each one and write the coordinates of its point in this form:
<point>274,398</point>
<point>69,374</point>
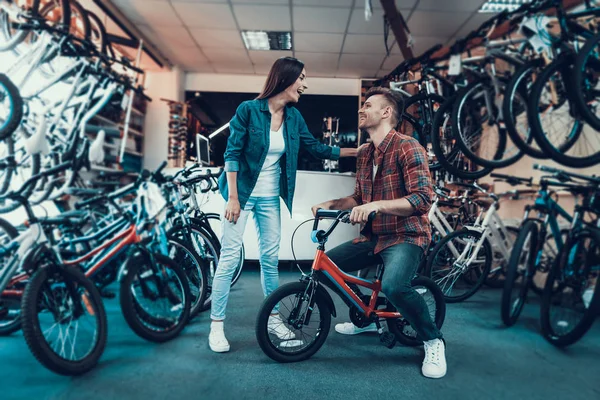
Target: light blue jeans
<point>267,219</point>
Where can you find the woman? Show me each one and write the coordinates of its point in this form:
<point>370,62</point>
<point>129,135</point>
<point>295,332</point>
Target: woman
<point>260,165</point>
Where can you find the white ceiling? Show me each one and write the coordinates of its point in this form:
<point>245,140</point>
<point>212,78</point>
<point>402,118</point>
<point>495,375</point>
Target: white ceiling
<point>330,36</point>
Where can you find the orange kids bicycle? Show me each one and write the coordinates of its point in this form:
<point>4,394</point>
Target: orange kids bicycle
<point>305,307</point>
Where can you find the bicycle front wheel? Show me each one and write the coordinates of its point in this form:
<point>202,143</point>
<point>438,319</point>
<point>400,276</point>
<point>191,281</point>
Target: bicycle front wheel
<point>303,326</point>
<point>521,268</point>
<point>155,297</point>
<point>64,322</point>
<point>568,313</point>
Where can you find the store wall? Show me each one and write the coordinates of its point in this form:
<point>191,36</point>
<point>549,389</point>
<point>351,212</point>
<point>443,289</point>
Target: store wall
<point>160,85</point>
<point>254,84</point>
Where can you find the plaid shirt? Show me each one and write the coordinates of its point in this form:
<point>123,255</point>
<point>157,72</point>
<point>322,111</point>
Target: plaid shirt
<point>403,172</point>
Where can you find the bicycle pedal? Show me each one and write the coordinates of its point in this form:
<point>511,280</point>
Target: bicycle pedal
<point>107,294</point>
<point>388,339</point>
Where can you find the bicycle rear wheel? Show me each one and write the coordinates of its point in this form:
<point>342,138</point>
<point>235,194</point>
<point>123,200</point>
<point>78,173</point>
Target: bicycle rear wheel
<point>454,266</point>
<point>567,314</point>
<point>434,298</point>
<point>11,107</point>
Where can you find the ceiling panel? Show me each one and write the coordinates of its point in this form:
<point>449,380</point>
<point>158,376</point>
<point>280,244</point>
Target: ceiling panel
<point>205,15</point>
<point>280,2</point>
<point>321,19</point>
<point>239,68</point>
<point>174,36</point>
<point>191,54</point>
<point>268,18</point>
<point>217,38</point>
<point>351,72</point>
<point>372,27</point>
<point>218,55</point>
<point>430,23</point>
<point>400,4</point>
<point>152,12</point>
<point>474,22</point>
<point>364,44</point>
<point>369,62</point>
<point>318,61</point>
<point>328,3</point>
<point>267,58</point>
<point>422,44</point>
<point>391,62</point>
<point>318,42</point>
<point>450,5</point>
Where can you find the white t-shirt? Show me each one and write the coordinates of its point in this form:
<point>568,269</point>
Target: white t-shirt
<point>268,180</point>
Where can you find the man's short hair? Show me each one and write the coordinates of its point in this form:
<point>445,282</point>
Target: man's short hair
<point>394,100</point>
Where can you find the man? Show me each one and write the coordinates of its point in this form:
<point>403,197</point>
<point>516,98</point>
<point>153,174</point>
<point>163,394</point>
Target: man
<point>392,180</point>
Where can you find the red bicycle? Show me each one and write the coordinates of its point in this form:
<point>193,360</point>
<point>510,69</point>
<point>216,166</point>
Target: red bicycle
<point>305,307</point>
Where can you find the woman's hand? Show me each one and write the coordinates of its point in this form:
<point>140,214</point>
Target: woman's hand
<point>232,211</point>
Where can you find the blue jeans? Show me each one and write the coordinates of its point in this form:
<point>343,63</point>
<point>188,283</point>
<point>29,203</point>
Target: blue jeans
<point>267,218</point>
<point>401,262</point>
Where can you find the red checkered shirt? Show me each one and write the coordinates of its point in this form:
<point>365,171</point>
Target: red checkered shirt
<point>403,172</point>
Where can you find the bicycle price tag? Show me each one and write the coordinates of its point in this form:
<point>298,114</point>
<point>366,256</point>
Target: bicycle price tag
<point>455,66</point>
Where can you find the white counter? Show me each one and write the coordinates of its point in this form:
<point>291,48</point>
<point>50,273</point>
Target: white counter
<point>311,188</point>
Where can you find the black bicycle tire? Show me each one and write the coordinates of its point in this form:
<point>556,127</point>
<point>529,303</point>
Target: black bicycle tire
<point>498,161</point>
<point>262,333</point>
<point>440,312</point>
<point>128,302</point>
<point>203,290</point>
<point>580,61</point>
<point>484,272</point>
<point>588,319</point>
<point>508,313</point>
<point>12,233</point>
<point>507,103</point>
<point>16,114</point>
<point>94,20</point>
<point>34,337</point>
<point>439,153</point>
<point>558,155</point>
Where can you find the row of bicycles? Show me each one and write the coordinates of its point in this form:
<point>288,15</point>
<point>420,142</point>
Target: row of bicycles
<point>553,252</point>
<point>58,71</point>
<point>150,238</point>
<point>533,90</point>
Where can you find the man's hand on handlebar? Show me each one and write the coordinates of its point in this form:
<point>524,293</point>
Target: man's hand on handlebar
<point>360,214</point>
<point>317,207</point>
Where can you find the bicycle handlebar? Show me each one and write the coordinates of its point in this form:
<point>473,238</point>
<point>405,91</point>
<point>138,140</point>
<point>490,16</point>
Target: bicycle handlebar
<point>564,175</point>
<point>512,180</point>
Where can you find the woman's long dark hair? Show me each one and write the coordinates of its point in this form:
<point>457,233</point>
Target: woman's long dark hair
<point>283,73</point>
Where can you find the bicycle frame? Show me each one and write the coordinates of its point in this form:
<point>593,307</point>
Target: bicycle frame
<point>323,265</point>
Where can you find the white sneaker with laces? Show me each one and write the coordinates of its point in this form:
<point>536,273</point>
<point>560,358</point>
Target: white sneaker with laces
<point>277,327</point>
<point>216,338</point>
<point>349,328</point>
<point>434,364</point>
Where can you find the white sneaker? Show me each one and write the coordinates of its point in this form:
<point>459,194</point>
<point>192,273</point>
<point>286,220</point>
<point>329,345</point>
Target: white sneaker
<point>217,340</point>
<point>277,327</point>
<point>434,364</point>
<point>349,328</point>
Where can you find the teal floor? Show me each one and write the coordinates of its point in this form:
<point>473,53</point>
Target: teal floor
<point>485,361</point>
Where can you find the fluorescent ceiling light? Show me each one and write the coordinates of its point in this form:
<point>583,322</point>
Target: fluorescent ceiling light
<point>263,40</point>
<point>221,129</point>
<point>496,6</point>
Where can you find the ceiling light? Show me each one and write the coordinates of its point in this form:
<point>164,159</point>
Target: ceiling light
<point>495,6</point>
<point>263,40</point>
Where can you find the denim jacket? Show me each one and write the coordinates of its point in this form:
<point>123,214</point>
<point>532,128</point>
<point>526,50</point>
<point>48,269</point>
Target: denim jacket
<point>248,145</point>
